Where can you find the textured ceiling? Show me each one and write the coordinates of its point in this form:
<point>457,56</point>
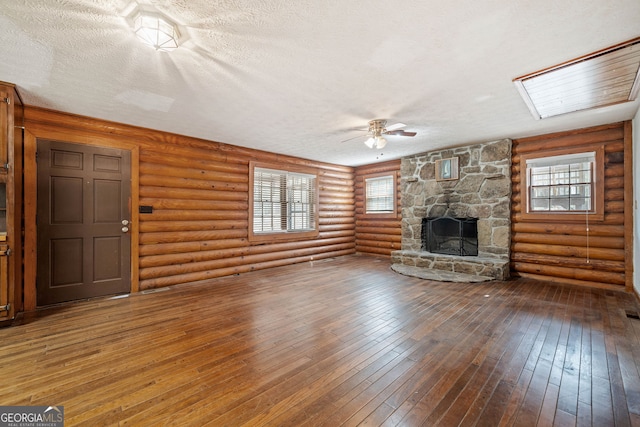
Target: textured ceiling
<point>299,77</point>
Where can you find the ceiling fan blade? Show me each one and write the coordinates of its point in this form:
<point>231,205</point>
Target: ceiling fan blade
<point>355,137</point>
<point>400,133</point>
<point>395,127</point>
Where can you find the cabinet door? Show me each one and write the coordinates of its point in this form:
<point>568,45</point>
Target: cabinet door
<point>6,97</point>
<point>5,310</point>
<point>6,127</point>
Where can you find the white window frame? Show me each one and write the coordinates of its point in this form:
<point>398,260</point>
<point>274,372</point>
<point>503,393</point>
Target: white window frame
<point>285,208</point>
<point>564,182</point>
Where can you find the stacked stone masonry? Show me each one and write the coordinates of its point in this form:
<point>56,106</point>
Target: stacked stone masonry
<point>483,191</point>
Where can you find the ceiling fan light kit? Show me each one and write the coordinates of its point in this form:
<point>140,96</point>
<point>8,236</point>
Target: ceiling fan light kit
<point>377,128</point>
<point>375,142</point>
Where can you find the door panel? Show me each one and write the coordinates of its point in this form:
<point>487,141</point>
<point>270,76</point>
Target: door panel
<point>106,253</point>
<point>107,202</point>
<point>83,197</point>
<point>66,200</point>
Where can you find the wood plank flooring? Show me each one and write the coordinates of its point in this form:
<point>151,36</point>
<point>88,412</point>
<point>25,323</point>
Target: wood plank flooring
<point>344,341</point>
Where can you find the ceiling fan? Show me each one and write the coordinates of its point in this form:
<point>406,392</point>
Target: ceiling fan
<point>377,128</point>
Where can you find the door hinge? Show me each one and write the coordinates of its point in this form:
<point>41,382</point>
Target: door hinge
<point>7,100</point>
<point>8,252</point>
<point>5,307</point>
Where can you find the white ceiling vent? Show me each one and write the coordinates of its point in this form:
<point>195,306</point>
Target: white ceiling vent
<point>609,76</point>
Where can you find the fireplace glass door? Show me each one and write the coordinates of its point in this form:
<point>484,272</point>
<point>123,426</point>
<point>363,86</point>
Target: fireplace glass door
<point>450,236</point>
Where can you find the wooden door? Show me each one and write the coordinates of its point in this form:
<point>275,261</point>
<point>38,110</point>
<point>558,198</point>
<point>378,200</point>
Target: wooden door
<point>83,219</point>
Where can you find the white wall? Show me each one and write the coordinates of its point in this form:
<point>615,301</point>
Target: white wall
<point>636,201</point>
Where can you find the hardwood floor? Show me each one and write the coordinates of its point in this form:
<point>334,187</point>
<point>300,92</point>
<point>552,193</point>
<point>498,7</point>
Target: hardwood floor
<point>344,341</point>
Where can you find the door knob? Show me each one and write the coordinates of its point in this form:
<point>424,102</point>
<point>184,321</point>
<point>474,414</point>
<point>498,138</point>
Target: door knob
<point>125,229</point>
<point>125,222</point>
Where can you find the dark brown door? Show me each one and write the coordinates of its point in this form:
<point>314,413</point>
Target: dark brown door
<point>83,219</point>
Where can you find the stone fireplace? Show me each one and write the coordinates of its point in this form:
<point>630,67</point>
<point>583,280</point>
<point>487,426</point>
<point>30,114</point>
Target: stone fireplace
<point>482,193</point>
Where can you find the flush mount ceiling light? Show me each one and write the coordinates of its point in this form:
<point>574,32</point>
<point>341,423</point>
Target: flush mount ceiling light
<point>606,77</point>
<point>156,31</point>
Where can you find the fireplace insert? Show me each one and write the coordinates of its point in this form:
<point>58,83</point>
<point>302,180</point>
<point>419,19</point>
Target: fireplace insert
<point>450,236</point>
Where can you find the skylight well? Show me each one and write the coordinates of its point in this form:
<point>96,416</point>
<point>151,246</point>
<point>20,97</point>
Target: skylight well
<point>607,77</point>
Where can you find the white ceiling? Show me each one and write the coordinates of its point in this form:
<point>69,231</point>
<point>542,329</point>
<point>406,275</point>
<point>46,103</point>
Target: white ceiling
<point>298,77</point>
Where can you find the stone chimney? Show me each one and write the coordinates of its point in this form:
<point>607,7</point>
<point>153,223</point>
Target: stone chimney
<point>482,191</point>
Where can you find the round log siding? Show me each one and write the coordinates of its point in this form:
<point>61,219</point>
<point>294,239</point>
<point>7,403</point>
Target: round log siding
<point>220,219</point>
<point>379,236</point>
<point>566,251</point>
<point>199,192</point>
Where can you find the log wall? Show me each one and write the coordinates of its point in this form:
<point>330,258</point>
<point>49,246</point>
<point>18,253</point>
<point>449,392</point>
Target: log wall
<point>375,234</point>
<point>199,191</point>
<point>567,251</point>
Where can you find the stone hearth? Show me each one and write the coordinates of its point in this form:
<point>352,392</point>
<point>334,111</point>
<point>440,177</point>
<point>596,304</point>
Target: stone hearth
<point>482,191</point>
<point>449,268</point>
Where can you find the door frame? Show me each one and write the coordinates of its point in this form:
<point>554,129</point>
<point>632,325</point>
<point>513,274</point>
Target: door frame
<point>35,131</point>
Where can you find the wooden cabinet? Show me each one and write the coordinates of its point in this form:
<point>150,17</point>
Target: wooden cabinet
<point>11,136</point>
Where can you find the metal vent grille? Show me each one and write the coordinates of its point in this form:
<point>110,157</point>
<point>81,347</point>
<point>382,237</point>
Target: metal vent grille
<point>607,77</point>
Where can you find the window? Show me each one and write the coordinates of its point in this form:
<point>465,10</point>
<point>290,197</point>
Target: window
<point>561,183</point>
<point>380,195</point>
<point>283,203</point>
<point>565,184</point>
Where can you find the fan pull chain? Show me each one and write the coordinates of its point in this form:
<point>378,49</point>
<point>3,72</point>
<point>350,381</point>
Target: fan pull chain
<point>587,222</point>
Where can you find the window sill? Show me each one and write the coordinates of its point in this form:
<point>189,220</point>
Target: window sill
<point>258,239</point>
<point>580,217</point>
<point>385,215</point>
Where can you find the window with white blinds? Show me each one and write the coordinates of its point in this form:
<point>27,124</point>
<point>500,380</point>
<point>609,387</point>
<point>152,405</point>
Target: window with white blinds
<point>380,194</point>
<point>283,201</point>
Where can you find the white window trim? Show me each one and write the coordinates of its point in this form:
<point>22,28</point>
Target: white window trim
<point>565,161</point>
<point>549,157</point>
